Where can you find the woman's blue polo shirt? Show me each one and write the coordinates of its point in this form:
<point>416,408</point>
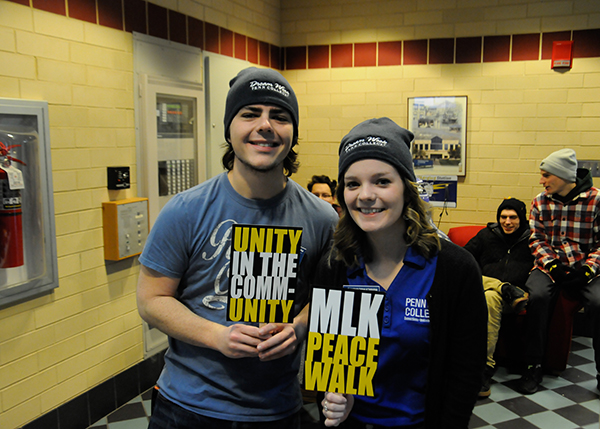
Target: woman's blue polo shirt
<point>401,377</point>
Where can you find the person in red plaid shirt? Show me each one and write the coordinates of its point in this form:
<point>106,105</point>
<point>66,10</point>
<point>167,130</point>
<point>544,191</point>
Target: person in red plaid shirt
<point>565,242</point>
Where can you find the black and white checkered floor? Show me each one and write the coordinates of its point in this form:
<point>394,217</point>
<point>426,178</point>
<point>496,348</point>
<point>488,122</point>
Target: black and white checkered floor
<point>133,415</point>
<point>569,401</point>
<point>565,402</point>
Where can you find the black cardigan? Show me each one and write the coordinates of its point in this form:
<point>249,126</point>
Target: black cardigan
<point>458,317</point>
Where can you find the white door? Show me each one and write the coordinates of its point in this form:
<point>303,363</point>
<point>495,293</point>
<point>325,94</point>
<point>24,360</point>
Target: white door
<point>172,153</point>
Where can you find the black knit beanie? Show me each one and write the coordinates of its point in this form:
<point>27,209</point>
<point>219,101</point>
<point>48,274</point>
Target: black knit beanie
<point>516,205</point>
<point>259,86</point>
<point>381,139</point>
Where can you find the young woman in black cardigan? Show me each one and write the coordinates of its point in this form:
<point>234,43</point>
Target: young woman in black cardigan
<point>433,341</point>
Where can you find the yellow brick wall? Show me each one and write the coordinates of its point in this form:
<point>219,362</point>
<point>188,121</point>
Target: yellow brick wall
<point>259,19</point>
<point>518,112</point>
<point>58,346</point>
<point>315,22</point>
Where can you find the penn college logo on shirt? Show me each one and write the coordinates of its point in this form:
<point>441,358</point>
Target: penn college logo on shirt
<point>416,310</point>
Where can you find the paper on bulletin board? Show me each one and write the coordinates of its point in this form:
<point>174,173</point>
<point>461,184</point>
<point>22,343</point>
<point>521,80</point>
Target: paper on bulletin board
<point>441,190</point>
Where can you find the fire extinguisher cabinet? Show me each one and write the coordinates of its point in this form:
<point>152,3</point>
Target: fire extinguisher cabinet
<point>28,263</point>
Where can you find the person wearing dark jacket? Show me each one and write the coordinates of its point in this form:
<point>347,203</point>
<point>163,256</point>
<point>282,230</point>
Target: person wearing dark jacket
<point>502,252</point>
<point>565,242</point>
<point>429,367</point>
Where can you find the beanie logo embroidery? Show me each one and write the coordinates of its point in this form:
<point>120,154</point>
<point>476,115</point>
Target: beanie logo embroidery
<point>270,86</point>
<point>368,141</point>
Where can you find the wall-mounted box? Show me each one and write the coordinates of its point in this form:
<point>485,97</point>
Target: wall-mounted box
<point>592,165</point>
<point>172,157</point>
<point>562,54</point>
<point>126,227</point>
<point>118,178</point>
<point>28,259</point>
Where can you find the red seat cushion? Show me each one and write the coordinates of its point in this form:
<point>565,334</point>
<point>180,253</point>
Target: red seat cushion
<point>461,235</point>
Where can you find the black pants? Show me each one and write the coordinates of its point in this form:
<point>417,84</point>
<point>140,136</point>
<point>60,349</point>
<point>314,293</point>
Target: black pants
<point>543,293</point>
<point>167,415</point>
<point>351,423</point>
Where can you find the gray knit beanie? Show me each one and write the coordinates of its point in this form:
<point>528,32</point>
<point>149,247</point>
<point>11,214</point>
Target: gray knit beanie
<point>259,86</point>
<point>562,163</point>
<point>380,139</point>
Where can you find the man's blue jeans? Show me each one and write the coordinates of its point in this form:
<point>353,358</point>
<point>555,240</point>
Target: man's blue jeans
<point>167,415</point>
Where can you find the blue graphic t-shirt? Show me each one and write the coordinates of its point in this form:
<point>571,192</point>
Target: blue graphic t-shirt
<point>401,375</point>
<point>190,241</point>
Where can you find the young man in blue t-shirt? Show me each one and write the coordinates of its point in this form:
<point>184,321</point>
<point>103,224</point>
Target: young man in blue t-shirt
<point>218,372</point>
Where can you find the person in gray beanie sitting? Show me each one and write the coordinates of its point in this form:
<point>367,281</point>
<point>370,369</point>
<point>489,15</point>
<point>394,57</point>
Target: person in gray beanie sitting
<point>429,367</point>
<point>565,242</point>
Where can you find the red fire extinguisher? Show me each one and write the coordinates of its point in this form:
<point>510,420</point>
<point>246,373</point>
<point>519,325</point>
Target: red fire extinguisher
<point>11,224</point>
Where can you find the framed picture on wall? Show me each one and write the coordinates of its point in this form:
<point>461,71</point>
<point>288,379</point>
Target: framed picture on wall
<point>440,128</point>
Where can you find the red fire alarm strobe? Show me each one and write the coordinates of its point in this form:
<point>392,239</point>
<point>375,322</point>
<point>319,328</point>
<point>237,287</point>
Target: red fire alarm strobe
<point>562,54</point>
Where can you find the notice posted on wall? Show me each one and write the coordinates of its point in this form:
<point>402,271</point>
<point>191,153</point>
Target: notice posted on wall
<point>441,190</point>
<point>342,349</point>
<point>263,272</point>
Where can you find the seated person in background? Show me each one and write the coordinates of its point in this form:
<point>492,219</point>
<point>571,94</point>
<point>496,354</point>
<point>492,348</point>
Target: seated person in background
<point>429,368</point>
<point>502,252</point>
<point>324,188</point>
<point>565,241</point>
